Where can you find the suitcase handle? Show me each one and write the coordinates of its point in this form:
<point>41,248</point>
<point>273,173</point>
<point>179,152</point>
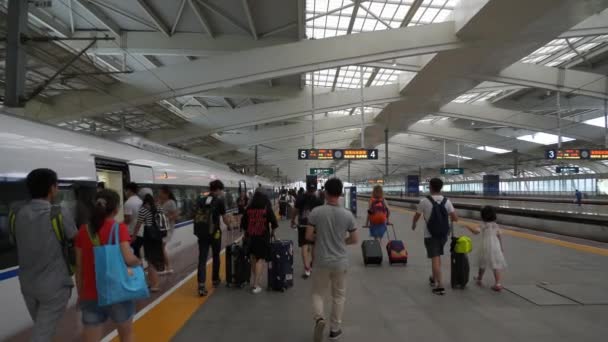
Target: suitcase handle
<point>394,231</point>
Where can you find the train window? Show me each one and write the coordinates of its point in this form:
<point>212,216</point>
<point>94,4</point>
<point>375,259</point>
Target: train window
<point>229,197</point>
<point>12,194</point>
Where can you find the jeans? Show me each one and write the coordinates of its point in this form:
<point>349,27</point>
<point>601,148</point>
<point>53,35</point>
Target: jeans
<point>136,245</point>
<point>46,312</point>
<point>322,280</point>
<point>203,253</point>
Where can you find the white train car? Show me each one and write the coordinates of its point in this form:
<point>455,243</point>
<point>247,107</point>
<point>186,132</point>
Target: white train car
<point>81,161</point>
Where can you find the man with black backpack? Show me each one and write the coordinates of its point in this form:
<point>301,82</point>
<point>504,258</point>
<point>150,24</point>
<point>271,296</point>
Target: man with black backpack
<point>207,228</point>
<point>437,211</point>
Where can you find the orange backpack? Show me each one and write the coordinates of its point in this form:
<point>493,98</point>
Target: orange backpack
<point>378,213</point>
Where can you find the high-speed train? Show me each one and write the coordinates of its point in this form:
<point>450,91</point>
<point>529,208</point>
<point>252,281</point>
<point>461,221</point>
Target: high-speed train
<point>81,161</point>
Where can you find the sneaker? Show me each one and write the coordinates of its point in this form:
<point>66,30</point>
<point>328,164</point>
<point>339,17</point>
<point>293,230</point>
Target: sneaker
<point>334,335</point>
<point>319,329</point>
<point>256,290</point>
<point>202,291</point>
<point>306,274</point>
<point>169,271</point>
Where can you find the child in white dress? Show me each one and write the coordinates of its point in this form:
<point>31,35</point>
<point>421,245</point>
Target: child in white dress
<point>491,251</point>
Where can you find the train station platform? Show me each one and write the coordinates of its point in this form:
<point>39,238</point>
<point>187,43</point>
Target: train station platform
<point>555,290</point>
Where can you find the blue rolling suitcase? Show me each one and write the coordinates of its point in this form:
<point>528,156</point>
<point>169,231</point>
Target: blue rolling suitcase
<point>280,266</point>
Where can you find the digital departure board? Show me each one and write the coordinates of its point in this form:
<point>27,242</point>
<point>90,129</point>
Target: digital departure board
<point>332,154</point>
<point>572,154</point>
<point>563,154</point>
<point>452,171</point>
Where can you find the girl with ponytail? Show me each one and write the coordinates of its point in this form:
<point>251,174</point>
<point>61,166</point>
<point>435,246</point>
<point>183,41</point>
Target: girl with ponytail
<point>101,224</point>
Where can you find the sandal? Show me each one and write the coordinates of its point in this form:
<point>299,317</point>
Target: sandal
<point>497,287</point>
<point>440,291</point>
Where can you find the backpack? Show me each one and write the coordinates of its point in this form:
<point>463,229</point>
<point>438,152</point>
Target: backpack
<point>378,213</point>
<point>158,229</point>
<point>283,198</point>
<point>204,226</point>
<point>67,245</point>
<point>438,223</point>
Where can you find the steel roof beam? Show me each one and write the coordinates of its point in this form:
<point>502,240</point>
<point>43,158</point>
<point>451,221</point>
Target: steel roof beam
<point>155,17</point>
<point>103,18</point>
<point>254,32</point>
<point>258,64</point>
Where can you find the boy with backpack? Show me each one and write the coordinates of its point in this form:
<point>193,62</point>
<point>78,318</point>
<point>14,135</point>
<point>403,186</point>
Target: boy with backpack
<point>437,211</point>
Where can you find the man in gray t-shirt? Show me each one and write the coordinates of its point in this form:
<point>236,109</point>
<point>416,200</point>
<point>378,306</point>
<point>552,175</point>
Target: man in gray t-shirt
<point>331,227</point>
<point>45,280</point>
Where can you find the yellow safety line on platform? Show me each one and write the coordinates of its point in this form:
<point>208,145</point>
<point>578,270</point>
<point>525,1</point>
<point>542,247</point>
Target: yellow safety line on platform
<point>163,321</point>
<point>552,241</point>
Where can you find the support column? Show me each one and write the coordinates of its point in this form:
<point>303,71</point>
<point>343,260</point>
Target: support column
<point>606,123</point>
<point>255,162</point>
<point>458,153</point>
<point>312,83</point>
<point>385,154</point>
<point>362,110</point>
<point>444,155</point>
<point>348,177</point>
<point>515,163</point>
<point>559,123</point>
<point>16,59</point>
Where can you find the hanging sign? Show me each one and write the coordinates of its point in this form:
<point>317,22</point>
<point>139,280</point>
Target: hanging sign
<point>337,154</point>
<point>322,171</point>
<point>567,169</point>
<point>452,171</point>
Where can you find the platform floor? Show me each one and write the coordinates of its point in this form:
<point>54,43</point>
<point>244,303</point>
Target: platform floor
<point>587,209</point>
<point>556,291</point>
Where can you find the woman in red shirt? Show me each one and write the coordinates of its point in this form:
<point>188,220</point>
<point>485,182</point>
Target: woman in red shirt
<point>93,315</point>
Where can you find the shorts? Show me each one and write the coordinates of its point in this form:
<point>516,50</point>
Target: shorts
<point>377,230</point>
<point>153,251</point>
<point>259,247</point>
<point>93,314</point>
<point>302,237</point>
<point>434,246</point>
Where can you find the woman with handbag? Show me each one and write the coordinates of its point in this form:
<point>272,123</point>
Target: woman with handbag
<point>99,232</point>
<point>153,240</point>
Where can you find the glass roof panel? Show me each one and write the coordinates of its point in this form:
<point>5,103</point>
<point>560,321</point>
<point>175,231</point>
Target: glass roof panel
<point>599,122</point>
<point>543,138</point>
<point>330,18</point>
<point>560,51</point>
<point>493,149</point>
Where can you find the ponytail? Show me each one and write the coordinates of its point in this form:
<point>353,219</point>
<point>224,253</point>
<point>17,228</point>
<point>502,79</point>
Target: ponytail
<point>149,200</point>
<point>106,202</point>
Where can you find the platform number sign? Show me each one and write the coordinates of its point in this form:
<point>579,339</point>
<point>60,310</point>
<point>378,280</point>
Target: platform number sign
<point>372,154</point>
<point>337,154</point>
<point>302,154</point>
<point>551,154</point>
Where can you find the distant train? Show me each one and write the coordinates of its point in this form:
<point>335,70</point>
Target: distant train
<point>81,161</point>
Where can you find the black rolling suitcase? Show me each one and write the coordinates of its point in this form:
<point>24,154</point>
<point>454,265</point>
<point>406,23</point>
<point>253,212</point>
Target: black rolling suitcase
<point>372,252</point>
<point>280,267</point>
<point>460,267</point>
<point>238,266</point>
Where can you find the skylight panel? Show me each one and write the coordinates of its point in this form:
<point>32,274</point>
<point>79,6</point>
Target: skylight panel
<point>543,138</point>
<point>464,98</point>
<point>599,122</point>
<point>459,156</point>
<point>493,149</point>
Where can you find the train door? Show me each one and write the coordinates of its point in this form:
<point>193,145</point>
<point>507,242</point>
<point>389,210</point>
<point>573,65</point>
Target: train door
<point>242,187</point>
<point>115,175</point>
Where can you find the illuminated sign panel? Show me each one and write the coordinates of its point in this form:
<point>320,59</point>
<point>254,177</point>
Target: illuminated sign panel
<point>563,154</point>
<point>452,171</point>
<point>327,171</point>
<point>332,154</point>
<point>566,169</point>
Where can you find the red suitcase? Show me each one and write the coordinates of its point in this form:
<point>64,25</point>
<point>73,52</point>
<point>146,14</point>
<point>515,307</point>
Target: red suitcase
<point>397,254</point>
